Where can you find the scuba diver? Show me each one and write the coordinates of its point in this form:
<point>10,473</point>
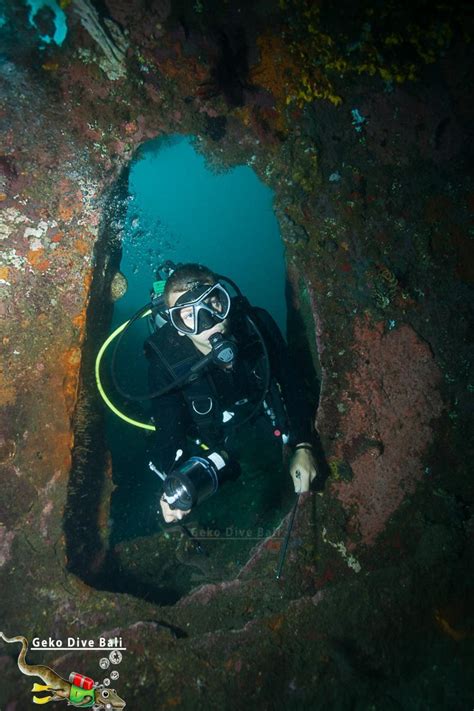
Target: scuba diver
<point>215,364</point>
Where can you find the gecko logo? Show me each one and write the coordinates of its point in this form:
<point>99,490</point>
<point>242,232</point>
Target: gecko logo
<point>80,691</point>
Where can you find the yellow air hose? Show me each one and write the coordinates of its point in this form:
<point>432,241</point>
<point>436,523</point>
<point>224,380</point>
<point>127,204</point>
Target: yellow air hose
<point>108,402</point>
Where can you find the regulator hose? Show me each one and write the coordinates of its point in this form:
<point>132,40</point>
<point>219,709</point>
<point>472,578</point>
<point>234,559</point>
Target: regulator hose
<point>267,375</point>
<point>144,425</point>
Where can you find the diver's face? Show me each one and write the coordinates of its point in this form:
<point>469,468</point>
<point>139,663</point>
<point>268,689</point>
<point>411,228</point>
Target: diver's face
<point>200,340</point>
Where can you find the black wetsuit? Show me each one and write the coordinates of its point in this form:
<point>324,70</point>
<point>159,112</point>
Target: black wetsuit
<point>198,409</point>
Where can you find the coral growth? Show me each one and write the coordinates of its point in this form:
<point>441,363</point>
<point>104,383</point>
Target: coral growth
<point>6,540</point>
<point>386,429</point>
<point>315,50</point>
<point>371,224</point>
<point>108,37</point>
<point>277,71</point>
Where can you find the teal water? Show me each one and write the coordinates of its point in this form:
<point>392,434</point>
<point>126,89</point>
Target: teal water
<point>181,210</point>
<point>60,25</point>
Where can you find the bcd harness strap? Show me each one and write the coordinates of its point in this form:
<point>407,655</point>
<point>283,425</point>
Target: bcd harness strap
<point>201,397</point>
<point>199,393</point>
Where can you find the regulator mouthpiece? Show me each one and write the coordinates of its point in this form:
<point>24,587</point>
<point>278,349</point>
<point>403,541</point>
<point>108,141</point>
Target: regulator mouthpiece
<point>224,351</point>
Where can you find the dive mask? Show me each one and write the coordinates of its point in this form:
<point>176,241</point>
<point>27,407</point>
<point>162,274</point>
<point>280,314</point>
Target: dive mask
<point>200,309</point>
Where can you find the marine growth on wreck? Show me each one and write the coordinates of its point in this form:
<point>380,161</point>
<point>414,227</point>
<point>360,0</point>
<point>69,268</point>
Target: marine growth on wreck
<point>353,126</point>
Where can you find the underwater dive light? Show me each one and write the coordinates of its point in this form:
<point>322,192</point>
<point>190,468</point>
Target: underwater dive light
<point>196,480</point>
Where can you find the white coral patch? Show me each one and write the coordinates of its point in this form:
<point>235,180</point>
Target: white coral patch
<point>10,219</point>
<point>13,259</point>
<point>351,561</point>
<point>36,244</point>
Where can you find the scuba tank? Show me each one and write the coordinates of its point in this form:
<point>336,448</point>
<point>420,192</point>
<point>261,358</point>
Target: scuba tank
<point>84,682</point>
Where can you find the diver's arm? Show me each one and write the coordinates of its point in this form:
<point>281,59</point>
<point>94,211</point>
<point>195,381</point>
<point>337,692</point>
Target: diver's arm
<point>170,416</point>
<point>302,467</point>
<point>300,410</point>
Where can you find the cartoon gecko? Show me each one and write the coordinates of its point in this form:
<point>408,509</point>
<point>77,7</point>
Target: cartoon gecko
<point>98,697</point>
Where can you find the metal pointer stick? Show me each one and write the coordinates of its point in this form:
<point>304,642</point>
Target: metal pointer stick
<point>287,538</point>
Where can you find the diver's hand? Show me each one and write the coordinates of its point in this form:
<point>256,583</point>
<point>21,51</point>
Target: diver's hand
<point>302,470</point>
<point>170,514</point>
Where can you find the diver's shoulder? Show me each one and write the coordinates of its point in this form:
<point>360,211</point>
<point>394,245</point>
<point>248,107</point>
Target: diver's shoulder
<point>262,315</point>
<point>260,311</point>
<point>164,337</point>
<point>269,327</point>
<point>241,305</point>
